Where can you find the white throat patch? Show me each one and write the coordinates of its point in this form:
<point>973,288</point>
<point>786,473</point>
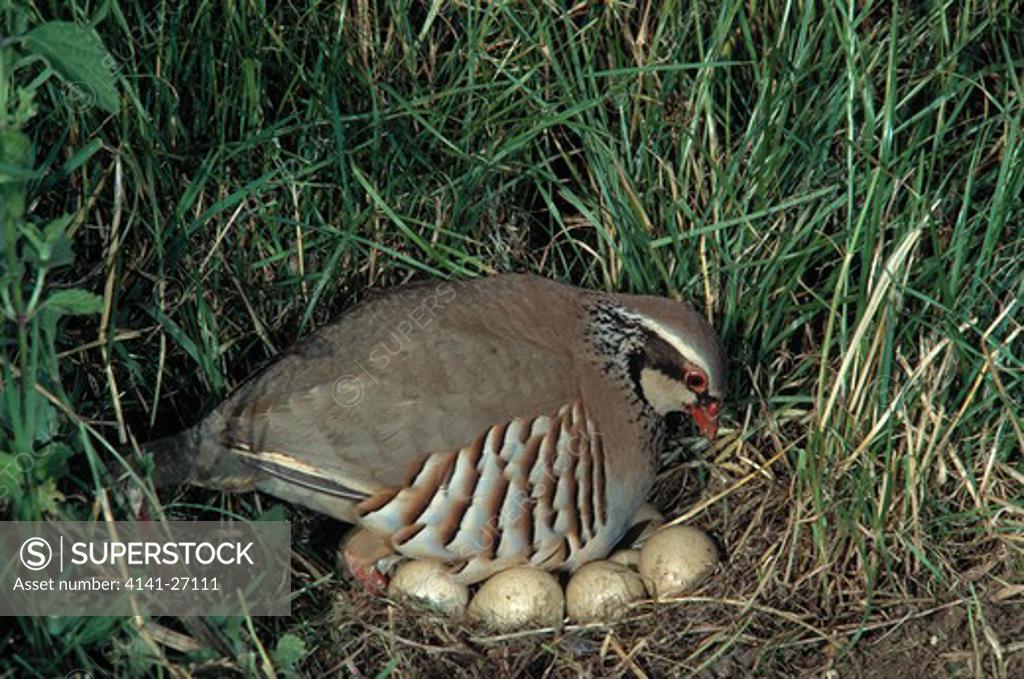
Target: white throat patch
<point>665,394</point>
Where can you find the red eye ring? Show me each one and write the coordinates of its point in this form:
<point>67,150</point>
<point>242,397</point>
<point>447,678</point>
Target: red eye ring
<point>696,382</point>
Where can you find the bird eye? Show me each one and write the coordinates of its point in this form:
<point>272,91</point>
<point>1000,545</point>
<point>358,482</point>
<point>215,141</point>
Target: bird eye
<point>696,382</point>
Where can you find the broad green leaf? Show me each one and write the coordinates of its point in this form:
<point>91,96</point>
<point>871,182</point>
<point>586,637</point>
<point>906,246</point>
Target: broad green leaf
<point>288,651</point>
<point>50,247</point>
<point>278,512</point>
<point>52,460</point>
<point>15,155</point>
<point>79,57</point>
<point>45,425</point>
<point>15,170</point>
<point>47,498</point>
<point>75,302</point>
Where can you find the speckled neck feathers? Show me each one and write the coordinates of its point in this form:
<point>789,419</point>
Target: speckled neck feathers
<point>616,340</point>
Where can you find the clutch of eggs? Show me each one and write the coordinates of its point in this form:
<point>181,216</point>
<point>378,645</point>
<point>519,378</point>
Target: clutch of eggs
<point>670,562</point>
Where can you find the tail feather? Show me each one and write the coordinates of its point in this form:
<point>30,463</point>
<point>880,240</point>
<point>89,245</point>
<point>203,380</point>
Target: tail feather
<point>174,459</point>
<point>197,456</point>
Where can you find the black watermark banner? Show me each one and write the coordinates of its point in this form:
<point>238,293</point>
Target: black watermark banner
<point>181,568</point>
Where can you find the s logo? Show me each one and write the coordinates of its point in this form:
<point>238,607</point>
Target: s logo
<point>36,554</point>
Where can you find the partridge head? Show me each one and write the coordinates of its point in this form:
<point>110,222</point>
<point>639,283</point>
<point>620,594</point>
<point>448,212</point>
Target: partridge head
<point>502,421</point>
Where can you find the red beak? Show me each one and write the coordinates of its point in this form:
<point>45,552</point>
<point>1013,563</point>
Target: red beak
<point>706,417</point>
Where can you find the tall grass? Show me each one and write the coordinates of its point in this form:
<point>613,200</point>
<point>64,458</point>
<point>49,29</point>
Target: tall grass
<point>838,185</point>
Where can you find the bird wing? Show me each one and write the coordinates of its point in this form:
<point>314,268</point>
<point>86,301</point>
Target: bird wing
<point>353,409</point>
<point>527,489</point>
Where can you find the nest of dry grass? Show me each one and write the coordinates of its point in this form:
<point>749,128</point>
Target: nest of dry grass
<point>770,609</point>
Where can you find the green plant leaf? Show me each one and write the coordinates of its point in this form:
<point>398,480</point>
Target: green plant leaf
<point>278,512</point>
<point>52,459</point>
<point>56,250</point>
<point>74,302</point>
<point>50,247</point>
<point>79,57</point>
<point>46,424</point>
<point>15,170</point>
<point>47,498</point>
<point>11,476</point>
<point>288,651</point>
<point>82,155</point>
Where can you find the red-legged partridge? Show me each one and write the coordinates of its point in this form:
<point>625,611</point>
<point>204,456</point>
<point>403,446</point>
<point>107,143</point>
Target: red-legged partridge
<point>501,421</point>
